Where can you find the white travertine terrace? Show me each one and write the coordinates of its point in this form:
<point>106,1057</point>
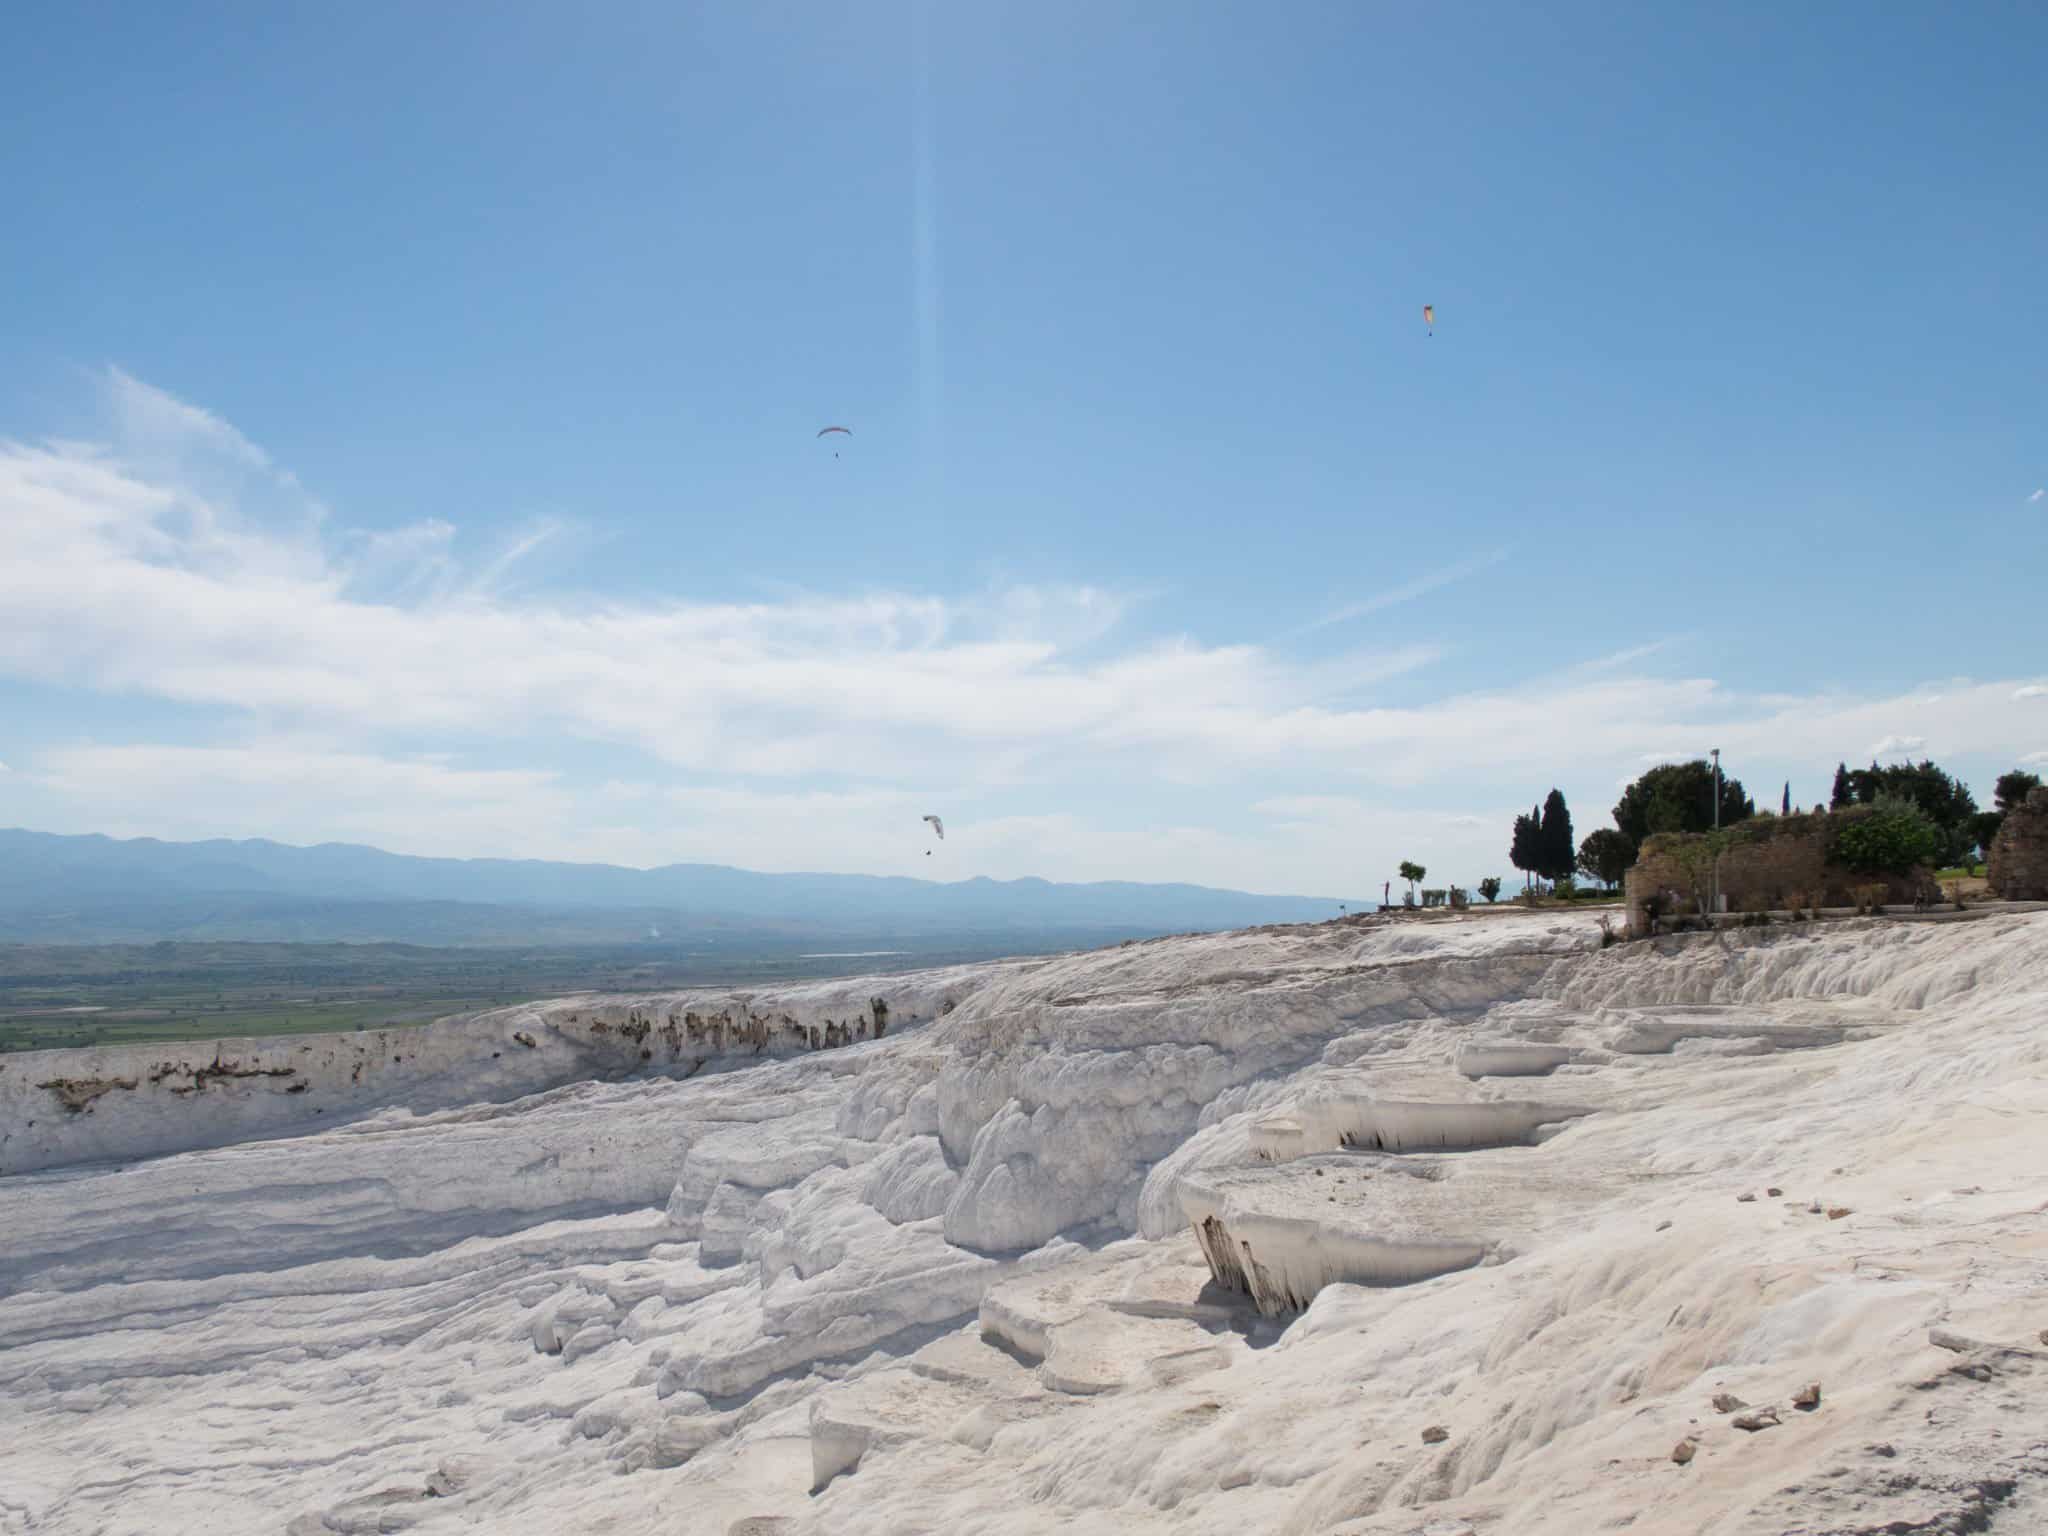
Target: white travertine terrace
<point>1192,1235</point>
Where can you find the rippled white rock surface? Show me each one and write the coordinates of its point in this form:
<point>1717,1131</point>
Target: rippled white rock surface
<point>799,1278</point>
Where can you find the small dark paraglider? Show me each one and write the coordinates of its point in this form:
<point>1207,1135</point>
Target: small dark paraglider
<point>828,431</point>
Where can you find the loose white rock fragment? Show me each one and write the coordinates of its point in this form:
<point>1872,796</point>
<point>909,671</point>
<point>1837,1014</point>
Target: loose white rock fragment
<point>1270,1233</point>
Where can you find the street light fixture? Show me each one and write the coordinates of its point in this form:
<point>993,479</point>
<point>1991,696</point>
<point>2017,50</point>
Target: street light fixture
<point>1717,827</point>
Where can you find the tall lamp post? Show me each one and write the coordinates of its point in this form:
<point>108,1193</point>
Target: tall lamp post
<point>1717,827</point>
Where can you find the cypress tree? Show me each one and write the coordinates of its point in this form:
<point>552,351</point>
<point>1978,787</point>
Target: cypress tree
<point>1560,851</point>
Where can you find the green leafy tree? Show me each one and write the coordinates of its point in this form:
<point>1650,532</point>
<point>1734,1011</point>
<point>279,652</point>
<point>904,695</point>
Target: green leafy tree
<point>1945,801</point>
<point>1411,872</point>
<point>1984,828</point>
<point>1679,797</point>
<point>2013,788</point>
<point>1560,853</point>
<point>1490,889</point>
<point>1605,856</point>
<point>1525,850</point>
<point>1892,840</point>
<point>1856,786</point>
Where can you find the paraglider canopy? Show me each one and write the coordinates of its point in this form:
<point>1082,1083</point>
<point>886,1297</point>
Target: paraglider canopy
<point>938,826</point>
<point>844,431</point>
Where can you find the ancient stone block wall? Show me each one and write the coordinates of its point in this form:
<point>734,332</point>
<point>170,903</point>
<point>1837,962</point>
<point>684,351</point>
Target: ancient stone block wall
<point>2019,854</point>
<point>1770,865</point>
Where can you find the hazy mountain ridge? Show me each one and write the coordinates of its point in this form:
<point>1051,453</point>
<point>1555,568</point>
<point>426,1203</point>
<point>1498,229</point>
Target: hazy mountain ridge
<point>91,888</point>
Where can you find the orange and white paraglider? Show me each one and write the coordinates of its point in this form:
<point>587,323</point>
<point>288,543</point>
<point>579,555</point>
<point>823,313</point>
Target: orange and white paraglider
<point>1429,317</point>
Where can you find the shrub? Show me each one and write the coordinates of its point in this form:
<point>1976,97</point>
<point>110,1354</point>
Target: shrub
<point>1565,887</point>
<point>1460,897</point>
<point>1490,889</point>
<point>1896,836</point>
<point>1433,898</point>
<point>1870,898</point>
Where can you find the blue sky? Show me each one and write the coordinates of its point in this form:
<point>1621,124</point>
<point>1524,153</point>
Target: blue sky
<point>408,420</point>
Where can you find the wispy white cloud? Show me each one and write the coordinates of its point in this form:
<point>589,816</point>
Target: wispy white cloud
<point>1892,746</point>
<point>1421,586</point>
<point>2031,691</point>
<point>2043,491</point>
<point>113,587</point>
<point>492,576</point>
<point>151,421</point>
<point>1629,657</point>
<point>380,687</point>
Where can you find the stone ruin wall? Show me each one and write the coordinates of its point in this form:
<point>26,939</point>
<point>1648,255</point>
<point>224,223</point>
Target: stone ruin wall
<point>2019,854</point>
<point>1764,874</point>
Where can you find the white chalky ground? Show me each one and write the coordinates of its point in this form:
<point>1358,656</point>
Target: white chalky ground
<point>954,1279</point>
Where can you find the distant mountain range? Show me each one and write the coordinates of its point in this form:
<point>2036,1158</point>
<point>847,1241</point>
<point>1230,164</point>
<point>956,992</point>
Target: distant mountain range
<point>94,889</point>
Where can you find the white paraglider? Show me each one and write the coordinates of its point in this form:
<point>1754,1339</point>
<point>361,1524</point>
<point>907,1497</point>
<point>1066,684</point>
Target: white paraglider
<point>939,827</point>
